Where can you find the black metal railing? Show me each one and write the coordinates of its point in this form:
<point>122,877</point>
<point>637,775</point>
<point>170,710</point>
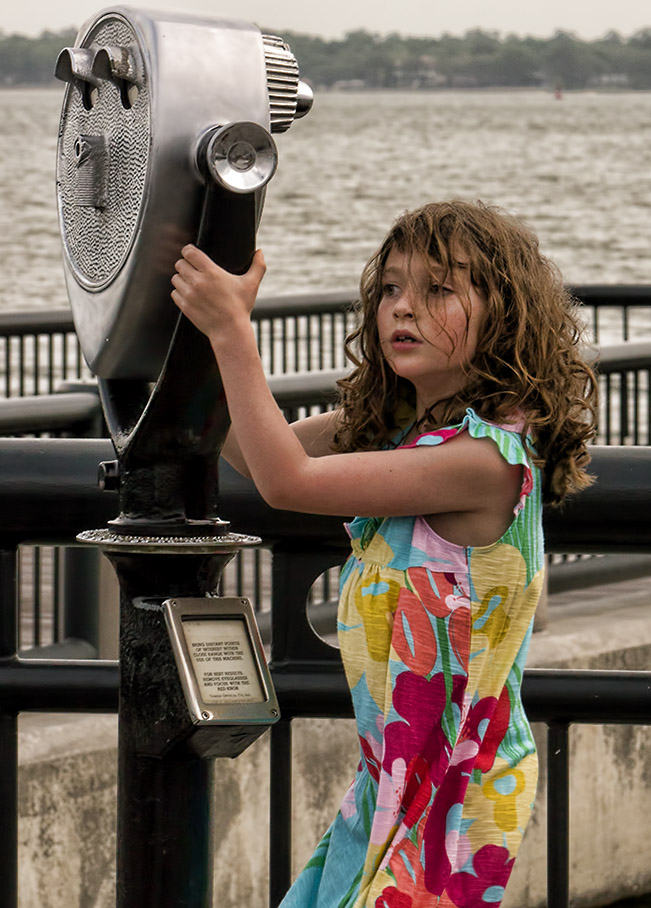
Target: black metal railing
<point>40,355</point>
<point>48,490</point>
<point>302,333</point>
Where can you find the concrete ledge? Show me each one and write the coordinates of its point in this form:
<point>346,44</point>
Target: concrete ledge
<point>68,775</point>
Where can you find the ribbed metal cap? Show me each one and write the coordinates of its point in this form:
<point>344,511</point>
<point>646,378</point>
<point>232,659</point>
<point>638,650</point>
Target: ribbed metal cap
<point>282,82</point>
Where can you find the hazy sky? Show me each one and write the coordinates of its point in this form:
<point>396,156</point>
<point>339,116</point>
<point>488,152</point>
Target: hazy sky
<point>332,18</point>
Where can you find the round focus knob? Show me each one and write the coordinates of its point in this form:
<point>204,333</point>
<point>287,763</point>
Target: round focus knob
<point>242,157</point>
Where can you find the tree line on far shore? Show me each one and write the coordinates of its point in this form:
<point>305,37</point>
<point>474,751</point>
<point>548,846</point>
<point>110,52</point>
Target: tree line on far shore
<point>363,60</point>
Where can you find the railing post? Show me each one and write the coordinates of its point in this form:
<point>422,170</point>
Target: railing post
<point>80,588</point>
<point>558,815</point>
<point>8,736</point>
<point>280,811</point>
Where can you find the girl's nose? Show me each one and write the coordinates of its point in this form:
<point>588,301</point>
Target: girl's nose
<point>403,307</point>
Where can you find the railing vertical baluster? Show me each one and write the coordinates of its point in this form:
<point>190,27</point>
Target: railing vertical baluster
<point>36,595</point>
<point>308,342</point>
<point>284,324</point>
<point>50,363</point>
<point>37,365</point>
<point>326,586</point>
<point>280,811</point>
<point>636,407</point>
<point>57,555</point>
<point>7,364</point>
<point>558,815</point>
<point>8,737</point>
<point>10,369</point>
<point>625,323</point>
<point>623,407</point>
<point>64,355</point>
<point>300,362</point>
<point>21,365</point>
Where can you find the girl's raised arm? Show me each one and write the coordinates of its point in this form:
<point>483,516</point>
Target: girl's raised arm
<point>315,433</point>
<point>464,475</point>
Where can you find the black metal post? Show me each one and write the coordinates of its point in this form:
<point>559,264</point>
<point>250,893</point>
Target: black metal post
<point>280,811</point>
<point>165,831</point>
<point>8,736</point>
<point>558,815</point>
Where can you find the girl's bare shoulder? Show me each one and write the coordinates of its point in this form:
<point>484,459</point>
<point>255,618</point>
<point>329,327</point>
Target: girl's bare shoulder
<point>316,433</point>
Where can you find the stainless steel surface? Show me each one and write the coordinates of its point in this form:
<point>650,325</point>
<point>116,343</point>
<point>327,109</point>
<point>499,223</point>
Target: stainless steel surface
<point>304,100</point>
<point>242,157</point>
<point>262,708</point>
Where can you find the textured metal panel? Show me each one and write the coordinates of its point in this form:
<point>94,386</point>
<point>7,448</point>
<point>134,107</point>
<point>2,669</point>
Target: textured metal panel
<point>97,238</point>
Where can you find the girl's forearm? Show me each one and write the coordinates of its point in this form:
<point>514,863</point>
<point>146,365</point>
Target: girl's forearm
<point>274,456</point>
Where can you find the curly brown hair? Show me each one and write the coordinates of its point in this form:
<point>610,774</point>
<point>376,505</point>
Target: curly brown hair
<point>528,358</point>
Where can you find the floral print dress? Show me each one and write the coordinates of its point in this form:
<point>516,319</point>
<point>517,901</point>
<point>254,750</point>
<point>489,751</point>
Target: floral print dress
<point>434,638</point>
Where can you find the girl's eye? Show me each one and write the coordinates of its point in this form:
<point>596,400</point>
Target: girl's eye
<point>440,290</point>
<point>390,290</point>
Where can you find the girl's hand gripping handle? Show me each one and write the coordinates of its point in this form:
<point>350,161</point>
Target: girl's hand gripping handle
<point>215,300</point>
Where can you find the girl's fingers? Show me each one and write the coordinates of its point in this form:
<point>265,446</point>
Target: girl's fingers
<point>258,266</point>
<point>256,270</point>
<point>196,257</point>
<point>185,268</point>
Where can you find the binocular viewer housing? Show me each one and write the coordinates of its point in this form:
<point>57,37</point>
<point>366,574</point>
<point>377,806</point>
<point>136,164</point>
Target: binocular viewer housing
<point>165,130</point>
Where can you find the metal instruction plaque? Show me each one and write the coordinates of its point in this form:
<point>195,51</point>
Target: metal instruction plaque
<point>221,662</point>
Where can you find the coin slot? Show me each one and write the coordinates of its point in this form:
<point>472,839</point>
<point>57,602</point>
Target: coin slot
<point>89,94</point>
<point>128,93</point>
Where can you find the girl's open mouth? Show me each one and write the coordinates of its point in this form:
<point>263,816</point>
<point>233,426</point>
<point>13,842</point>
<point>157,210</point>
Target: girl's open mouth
<point>401,339</point>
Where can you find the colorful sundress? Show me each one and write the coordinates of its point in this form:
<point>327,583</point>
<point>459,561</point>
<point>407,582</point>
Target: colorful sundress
<point>434,638</point>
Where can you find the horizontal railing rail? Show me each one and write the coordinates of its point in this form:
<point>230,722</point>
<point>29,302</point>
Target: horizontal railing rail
<point>51,321</point>
<point>76,414</point>
<point>296,333</point>
<point>37,474</point>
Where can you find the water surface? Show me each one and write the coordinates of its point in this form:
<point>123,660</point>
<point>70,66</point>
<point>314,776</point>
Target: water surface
<point>579,170</point>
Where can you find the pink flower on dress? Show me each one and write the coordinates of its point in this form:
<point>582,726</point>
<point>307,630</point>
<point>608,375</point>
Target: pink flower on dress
<point>348,806</point>
<point>494,734</point>
<point>389,798</point>
<point>446,811</point>
<point>458,849</point>
<point>372,751</point>
<point>421,703</point>
<point>525,489</point>
<point>390,897</point>
<point>492,867</point>
<point>413,636</point>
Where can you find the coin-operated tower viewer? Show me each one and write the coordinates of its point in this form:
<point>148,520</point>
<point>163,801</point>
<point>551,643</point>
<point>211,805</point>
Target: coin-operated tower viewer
<point>165,139</point>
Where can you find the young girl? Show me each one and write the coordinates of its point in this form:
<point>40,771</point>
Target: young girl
<point>469,405</point>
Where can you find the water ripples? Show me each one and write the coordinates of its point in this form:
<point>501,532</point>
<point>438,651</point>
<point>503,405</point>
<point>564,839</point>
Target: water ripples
<point>578,170</point>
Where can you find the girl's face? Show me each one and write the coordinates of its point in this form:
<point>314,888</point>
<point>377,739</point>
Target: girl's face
<point>428,323</point>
